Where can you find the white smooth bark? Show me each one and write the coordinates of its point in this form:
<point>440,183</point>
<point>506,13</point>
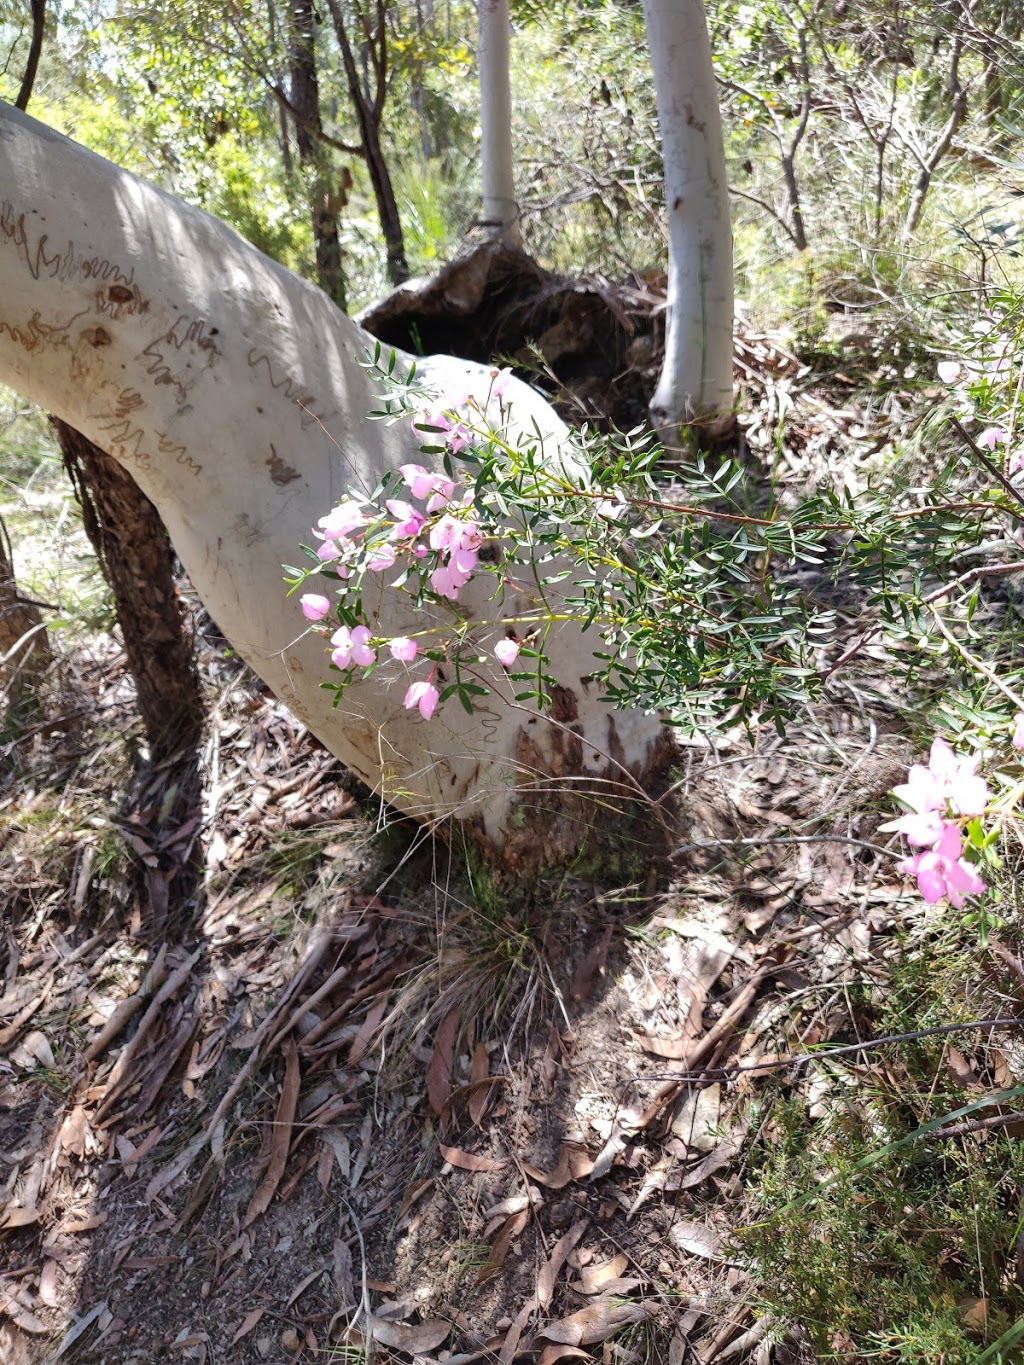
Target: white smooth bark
<point>695,386</point>
<point>500,210</point>
<point>232,391</point>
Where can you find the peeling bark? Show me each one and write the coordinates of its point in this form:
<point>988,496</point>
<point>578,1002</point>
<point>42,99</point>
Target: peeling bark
<point>137,561</point>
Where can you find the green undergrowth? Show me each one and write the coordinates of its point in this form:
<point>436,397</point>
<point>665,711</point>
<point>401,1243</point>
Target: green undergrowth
<point>882,1238</point>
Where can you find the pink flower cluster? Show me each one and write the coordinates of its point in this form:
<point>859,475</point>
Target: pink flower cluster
<point>443,527</point>
<point>946,788</point>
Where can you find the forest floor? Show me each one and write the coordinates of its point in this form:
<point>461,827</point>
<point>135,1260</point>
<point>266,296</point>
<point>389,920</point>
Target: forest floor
<point>355,1106</point>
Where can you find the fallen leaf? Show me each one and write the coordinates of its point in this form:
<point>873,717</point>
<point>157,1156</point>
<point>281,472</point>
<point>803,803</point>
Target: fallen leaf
<point>414,1338</point>
<point>721,1156</point>
<point>367,1029</point>
<point>469,1161</point>
<point>344,1284</point>
<point>549,1271</point>
<point>37,1045</point>
<point>281,1138</point>
<point>302,1286</point>
<point>499,1250</point>
<point>439,1070</point>
<point>81,1326</point>
<point>18,1218</point>
<point>415,1191</point>
<point>673,1049</point>
<point>74,1131</point>
<point>595,1323</point>
<point>697,1239</point>
<point>595,1277</point>
<point>510,1345</point>
<point>559,1351</point>
<point>477,1094</point>
<point>48,1284</point>
<point>248,1323</point>
<point>698,1116</point>
<point>574,1163</point>
<point>95,1220</point>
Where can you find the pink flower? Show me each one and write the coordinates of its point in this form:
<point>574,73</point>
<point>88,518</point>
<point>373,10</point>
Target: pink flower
<point>403,649</point>
<point>948,371</point>
<point>418,480</point>
<point>329,550</point>
<point>410,520</point>
<point>1016,461</point>
<point>343,520</point>
<point>451,533</point>
<point>352,647</point>
<point>946,779</point>
<point>381,557</point>
<point>499,382</point>
<point>448,581</point>
<point>442,497</point>
<point>942,872</point>
<point>314,607</point>
<point>1018,730</point>
<point>423,695</point>
<point>506,652</point>
<point>991,435</point>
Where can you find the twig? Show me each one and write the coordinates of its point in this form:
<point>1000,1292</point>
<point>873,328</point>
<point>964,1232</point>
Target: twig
<point>170,987</point>
<point>762,839</point>
<point>977,664</point>
<point>991,466</point>
<point>963,580</point>
<point>128,1008</point>
<point>726,1073</point>
<point>267,1030</point>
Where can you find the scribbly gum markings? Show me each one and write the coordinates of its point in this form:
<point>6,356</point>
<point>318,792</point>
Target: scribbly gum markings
<point>124,436</point>
<point>120,295</point>
<point>285,385</point>
<point>36,334</point>
<point>180,355</point>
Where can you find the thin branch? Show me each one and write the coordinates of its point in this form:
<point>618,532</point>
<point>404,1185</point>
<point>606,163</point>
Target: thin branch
<point>28,80</point>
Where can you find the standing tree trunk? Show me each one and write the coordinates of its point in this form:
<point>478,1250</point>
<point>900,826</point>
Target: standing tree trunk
<point>137,561</point>
<point>500,211</point>
<point>368,101</point>
<point>305,99</point>
<point>233,391</point>
<point>695,387</point>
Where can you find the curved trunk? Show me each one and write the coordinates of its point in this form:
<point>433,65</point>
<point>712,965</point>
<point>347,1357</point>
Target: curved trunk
<point>695,386</point>
<point>233,393</point>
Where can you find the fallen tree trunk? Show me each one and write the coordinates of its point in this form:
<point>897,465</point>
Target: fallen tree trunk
<point>233,392</point>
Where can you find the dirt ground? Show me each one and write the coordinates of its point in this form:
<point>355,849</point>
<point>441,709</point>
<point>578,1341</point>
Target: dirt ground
<point>355,1105</point>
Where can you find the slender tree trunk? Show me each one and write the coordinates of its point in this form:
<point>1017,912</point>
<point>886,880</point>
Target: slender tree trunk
<point>137,561</point>
<point>695,388</point>
<point>233,392</point>
<point>305,98</point>
<point>942,143</point>
<point>35,50</point>
<point>500,214</point>
<point>369,109</point>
